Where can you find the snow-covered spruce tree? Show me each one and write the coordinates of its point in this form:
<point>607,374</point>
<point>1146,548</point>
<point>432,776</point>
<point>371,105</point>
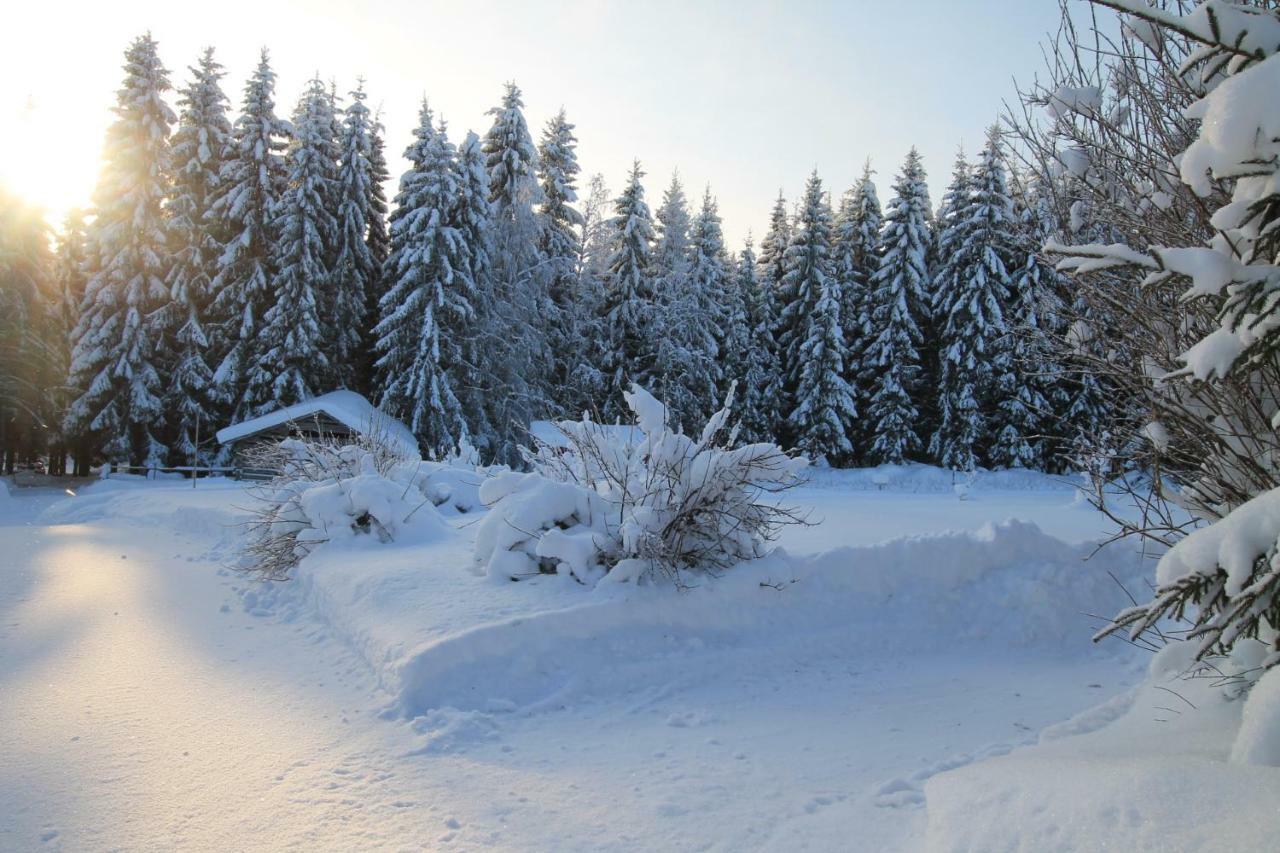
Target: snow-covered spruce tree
<point>736,348</point>
<point>773,248</point>
<point>71,259</point>
<point>856,254</point>
<point>354,267</point>
<point>586,379</point>
<point>1035,318</point>
<point>332,301</point>
<point>522,308</point>
<point>66,294</point>
<point>975,358</point>
<point>116,339</point>
<point>378,246</point>
<point>428,288</point>
<point>672,224</point>
<point>199,149</point>
<point>674,298</point>
<point>560,247</point>
<point>766,325</point>
<point>597,234</point>
<point>945,272</point>
<point>253,179</point>
<point>773,263</point>
<point>898,297</point>
<point>691,315</point>
<point>293,360</point>
<point>1014,425</point>
<point>471,216</point>
<point>823,409</point>
<point>629,308</point>
<point>761,379</point>
<point>719,296</point>
<point>1223,576</point>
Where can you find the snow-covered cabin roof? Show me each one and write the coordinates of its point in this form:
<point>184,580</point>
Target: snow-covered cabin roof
<point>346,407</point>
<point>546,432</point>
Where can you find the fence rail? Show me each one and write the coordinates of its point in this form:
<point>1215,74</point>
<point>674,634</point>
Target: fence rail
<point>152,472</point>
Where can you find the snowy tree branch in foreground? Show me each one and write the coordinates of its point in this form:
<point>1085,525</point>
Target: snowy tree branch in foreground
<point>1228,573</point>
<point>637,503</point>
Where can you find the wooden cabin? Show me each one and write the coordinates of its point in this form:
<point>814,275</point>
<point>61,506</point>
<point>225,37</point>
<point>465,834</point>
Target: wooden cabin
<point>337,415</point>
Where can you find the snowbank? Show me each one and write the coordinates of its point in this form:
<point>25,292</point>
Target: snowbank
<point>214,508</point>
<point>440,637</point>
<point>1150,770</point>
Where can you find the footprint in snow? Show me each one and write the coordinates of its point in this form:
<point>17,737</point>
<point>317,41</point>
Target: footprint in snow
<point>898,794</point>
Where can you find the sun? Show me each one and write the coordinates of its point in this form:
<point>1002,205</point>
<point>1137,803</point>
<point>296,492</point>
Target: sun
<point>47,157</point>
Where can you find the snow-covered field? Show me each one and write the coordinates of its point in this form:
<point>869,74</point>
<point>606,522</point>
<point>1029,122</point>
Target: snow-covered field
<point>872,687</point>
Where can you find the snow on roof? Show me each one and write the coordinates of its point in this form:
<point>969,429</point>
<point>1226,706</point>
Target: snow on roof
<point>549,434</point>
<point>346,407</point>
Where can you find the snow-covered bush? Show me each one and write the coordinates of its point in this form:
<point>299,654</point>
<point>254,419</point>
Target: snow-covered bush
<point>634,505</point>
<point>326,490</point>
<point>1225,577</point>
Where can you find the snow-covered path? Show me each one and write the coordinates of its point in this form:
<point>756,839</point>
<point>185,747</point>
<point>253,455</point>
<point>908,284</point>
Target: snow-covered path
<point>139,714</point>
<point>143,709</point>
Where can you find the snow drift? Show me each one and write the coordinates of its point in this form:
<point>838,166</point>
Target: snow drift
<point>1168,763</point>
<point>1010,583</point>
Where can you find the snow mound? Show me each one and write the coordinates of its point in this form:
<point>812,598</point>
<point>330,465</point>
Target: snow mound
<point>213,509</point>
<point>919,593</point>
<point>1157,768</point>
<point>1258,741</point>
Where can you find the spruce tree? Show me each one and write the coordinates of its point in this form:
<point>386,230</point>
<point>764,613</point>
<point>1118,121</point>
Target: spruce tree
<point>586,379</point>
<point>948,269</point>
<point>293,362</point>
<point>596,231</point>
<point>856,254</point>
<point>823,407</point>
<point>253,179</point>
<point>1028,391</point>
<point>898,301</point>
<point>200,146</point>
<point>691,312</point>
<point>428,284</point>
<point>629,304</point>
<point>474,331</point>
<point>114,357</point>
<point>772,264</point>
<point>70,267</point>
<point>977,369</point>
<point>672,225</point>
<point>378,246</point>
<point>521,363</point>
<point>354,267</point>
<point>761,380</point>
<point>773,248</point>
<point>560,247</point>
<point>736,348</point>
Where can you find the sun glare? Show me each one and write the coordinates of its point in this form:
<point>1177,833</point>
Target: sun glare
<point>45,160</point>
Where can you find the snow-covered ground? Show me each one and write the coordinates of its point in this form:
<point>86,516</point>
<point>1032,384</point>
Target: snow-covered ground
<point>854,692</point>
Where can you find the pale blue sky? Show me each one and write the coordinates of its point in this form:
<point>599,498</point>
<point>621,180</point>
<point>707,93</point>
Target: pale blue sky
<point>749,96</point>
